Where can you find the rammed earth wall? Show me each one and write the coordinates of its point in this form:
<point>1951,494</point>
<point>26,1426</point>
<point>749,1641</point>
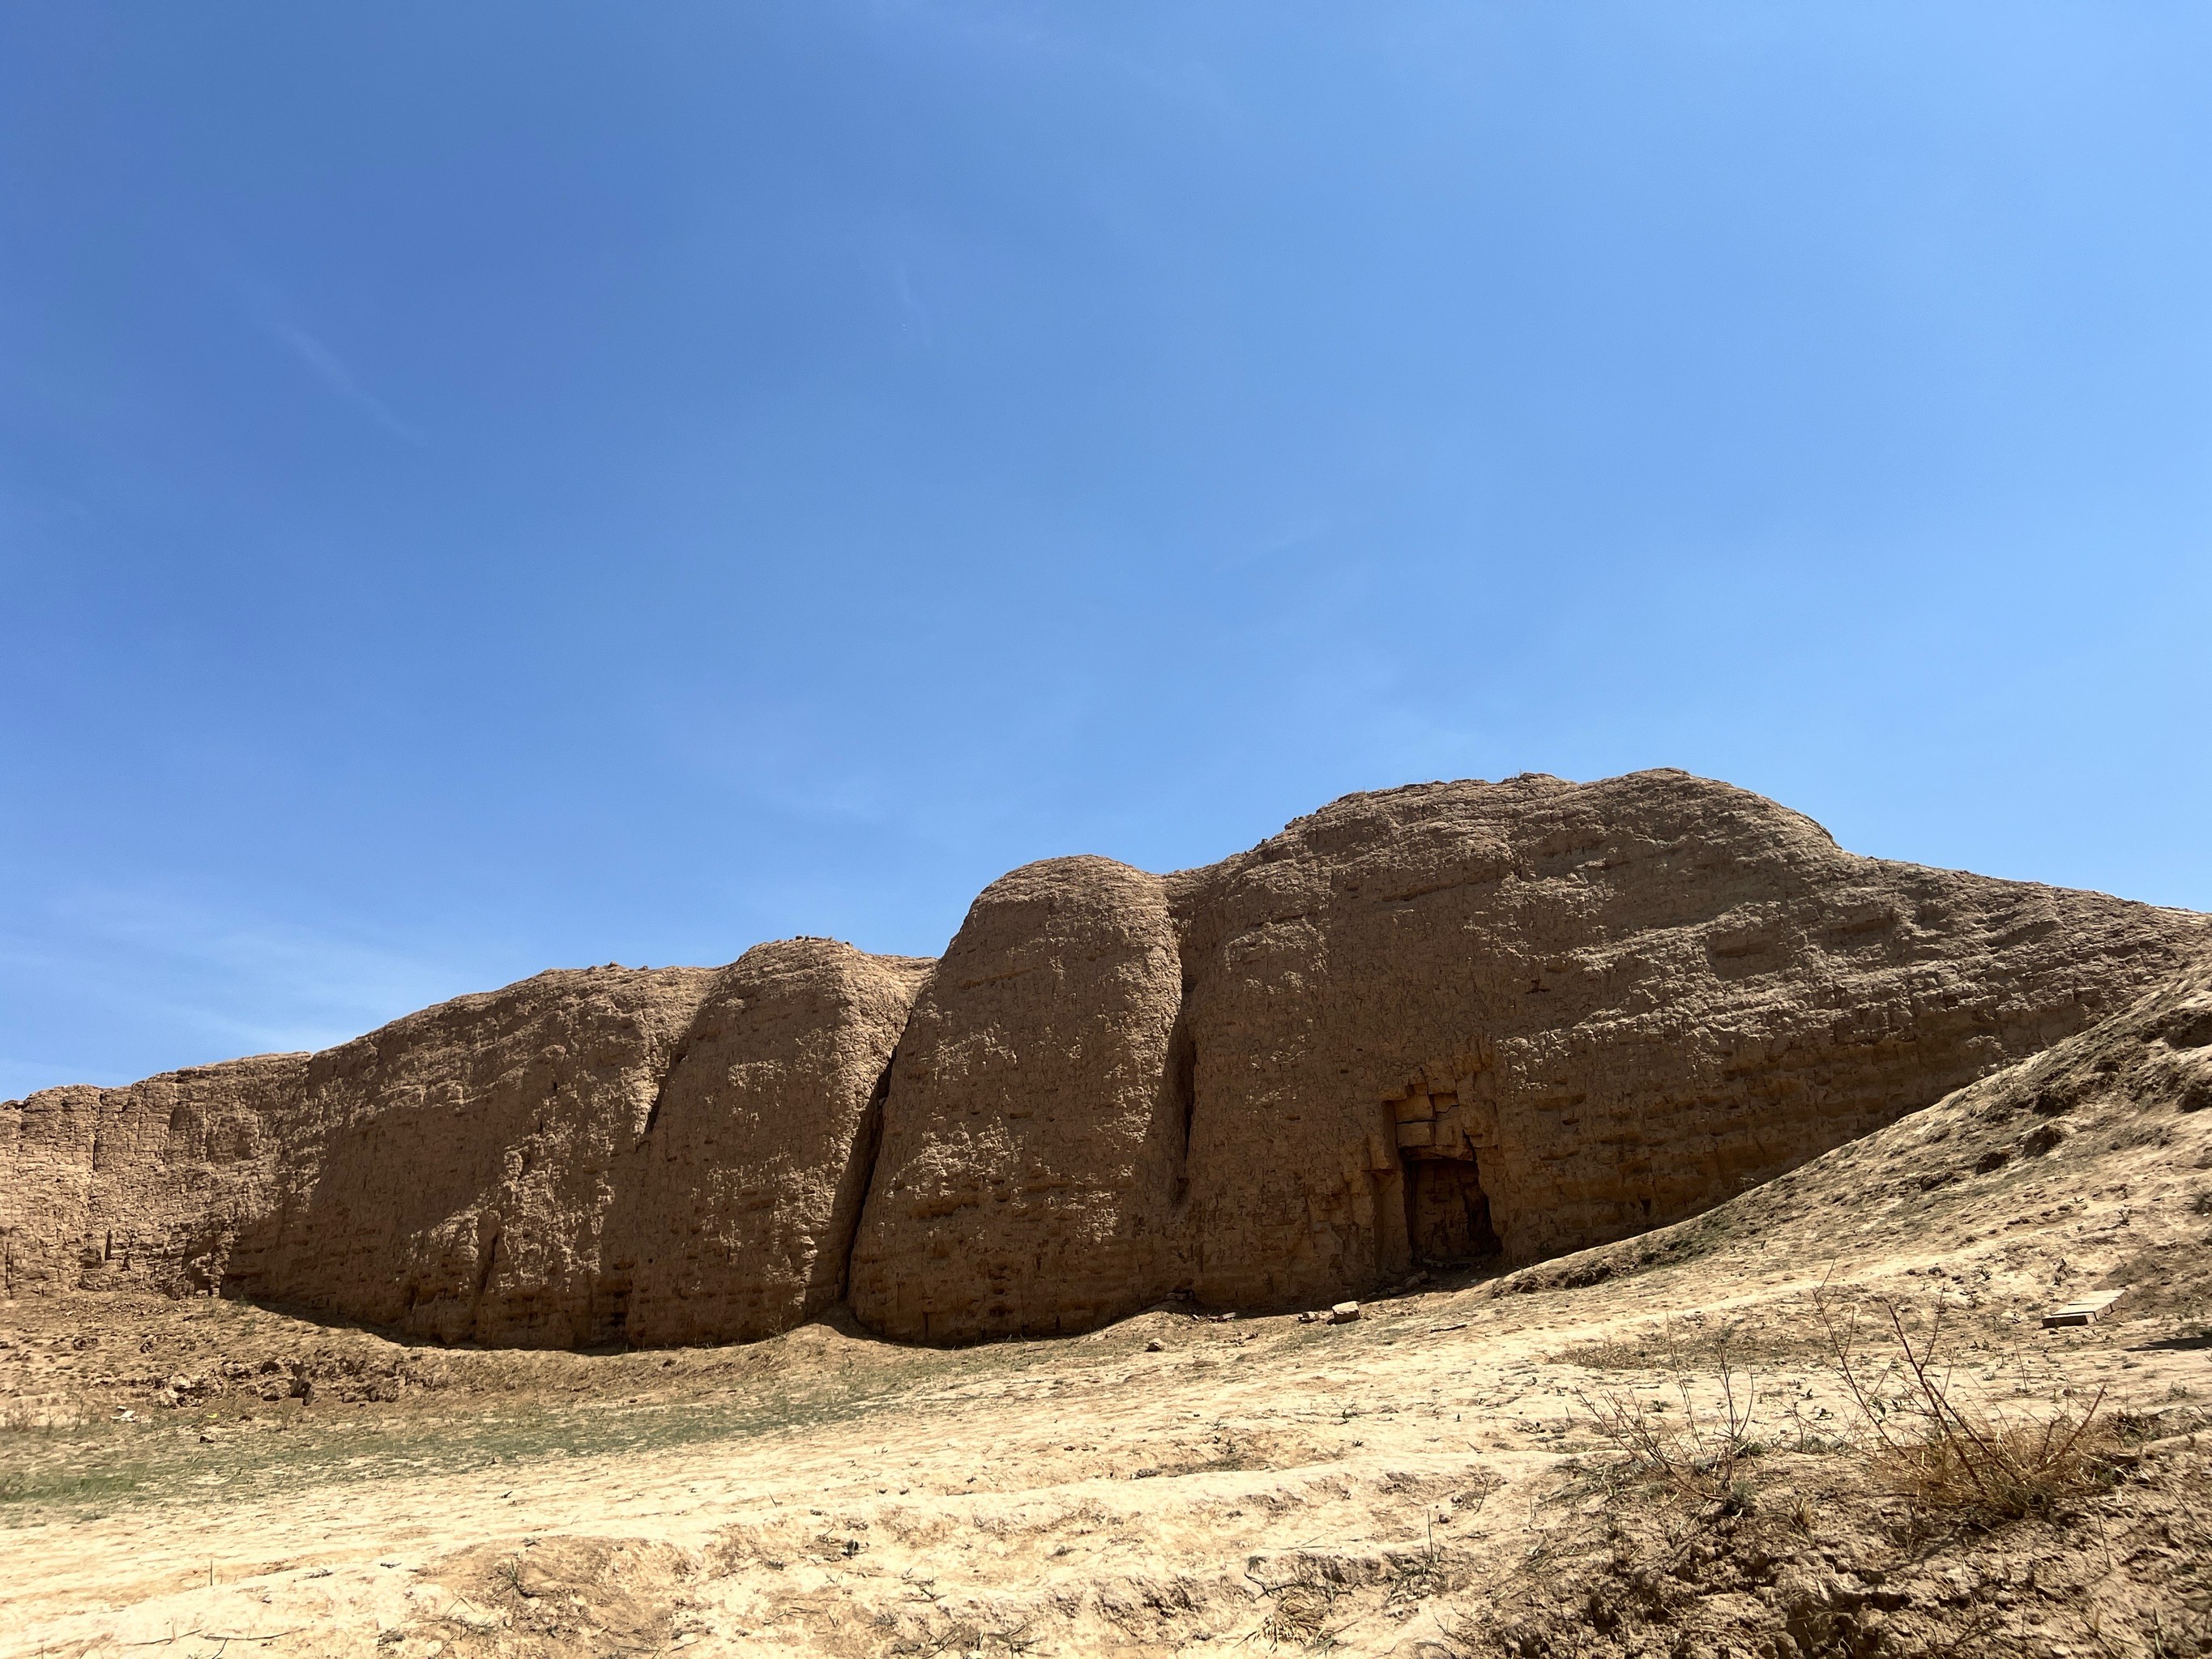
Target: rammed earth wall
<point>1518,1018</point>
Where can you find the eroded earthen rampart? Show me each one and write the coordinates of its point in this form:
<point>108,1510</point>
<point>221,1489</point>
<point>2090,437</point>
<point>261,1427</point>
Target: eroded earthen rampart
<point>1428,1024</point>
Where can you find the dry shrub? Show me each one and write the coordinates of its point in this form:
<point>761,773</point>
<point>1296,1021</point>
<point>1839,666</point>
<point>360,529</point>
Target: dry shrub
<point>1417,1577</point>
<point>1299,1614</point>
<point>1946,1444</point>
<point>1298,1606</point>
<point>1699,1458</point>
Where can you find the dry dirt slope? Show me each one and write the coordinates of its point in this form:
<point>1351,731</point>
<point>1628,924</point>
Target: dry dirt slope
<point>213,1478</point>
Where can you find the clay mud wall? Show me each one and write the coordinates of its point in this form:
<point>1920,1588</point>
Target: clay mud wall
<point>1557,1014</point>
<point>1031,1174</point>
<point>1451,1021</point>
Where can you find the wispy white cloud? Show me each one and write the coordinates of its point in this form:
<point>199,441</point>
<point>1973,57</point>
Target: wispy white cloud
<point>918,321</point>
<point>309,987</point>
<point>19,1078</point>
<point>331,369</point>
<point>190,984</point>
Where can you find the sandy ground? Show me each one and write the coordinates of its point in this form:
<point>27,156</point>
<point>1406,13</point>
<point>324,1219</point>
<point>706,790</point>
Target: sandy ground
<point>209,1478</point>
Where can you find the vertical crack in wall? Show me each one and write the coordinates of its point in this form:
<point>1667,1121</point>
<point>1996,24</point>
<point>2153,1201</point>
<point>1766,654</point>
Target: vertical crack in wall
<point>487,1258</point>
<point>1182,1081</point>
<point>1188,1248</point>
<point>859,1179</point>
<point>668,1073</point>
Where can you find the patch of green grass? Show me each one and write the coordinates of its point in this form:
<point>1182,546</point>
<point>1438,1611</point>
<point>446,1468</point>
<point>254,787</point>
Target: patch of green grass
<point>49,1471</point>
<point>57,1487</point>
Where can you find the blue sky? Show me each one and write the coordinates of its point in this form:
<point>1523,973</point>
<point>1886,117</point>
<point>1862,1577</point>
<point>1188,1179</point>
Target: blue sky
<point>498,486</point>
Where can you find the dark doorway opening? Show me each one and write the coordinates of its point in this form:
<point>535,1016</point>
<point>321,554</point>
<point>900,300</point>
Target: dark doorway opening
<point>1447,1212</point>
